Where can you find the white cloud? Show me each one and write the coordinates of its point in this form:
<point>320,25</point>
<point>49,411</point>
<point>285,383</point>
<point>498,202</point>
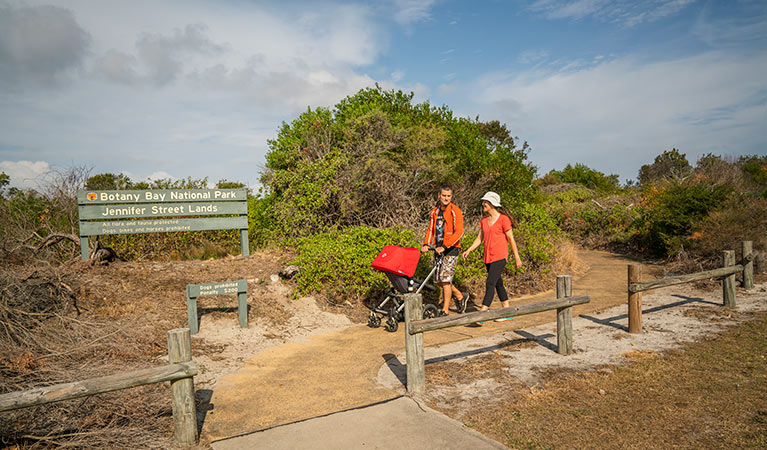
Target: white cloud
<point>532,56</point>
<point>724,32</point>
<point>619,114</point>
<point>628,12</point>
<point>160,175</point>
<point>257,52</point>
<point>577,9</point>
<point>445,89</point>
<point>25,174</point>
<point>39,44</point>
<point>409,12</point>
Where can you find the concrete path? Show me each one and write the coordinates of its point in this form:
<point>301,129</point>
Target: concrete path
<point>338,371</point>
<point>401,423</point>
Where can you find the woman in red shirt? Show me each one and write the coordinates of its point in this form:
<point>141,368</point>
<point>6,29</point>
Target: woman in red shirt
<point>495,232</point>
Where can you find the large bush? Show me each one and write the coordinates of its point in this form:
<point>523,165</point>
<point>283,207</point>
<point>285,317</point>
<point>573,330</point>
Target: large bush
<point>668,214</point>
<point>376,159</point>
<point>594,221</point>
<point>741,218</point>
<point>582,175</point>
<point>670,165</point>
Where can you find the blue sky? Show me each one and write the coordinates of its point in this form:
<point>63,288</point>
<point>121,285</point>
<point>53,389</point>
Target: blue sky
<point>195,88</point>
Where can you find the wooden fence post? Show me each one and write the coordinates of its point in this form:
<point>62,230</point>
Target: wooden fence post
<point>635,299</point>
<point>747,248</point>
<point>182,391</point>
<point>760,263</point>
<point>728,283</point>
<point>564,316</point>
<point>416,377</point>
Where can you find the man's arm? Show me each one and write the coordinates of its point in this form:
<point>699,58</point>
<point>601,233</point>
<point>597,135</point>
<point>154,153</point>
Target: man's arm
<point>457,228</point>
<point>429,234</point>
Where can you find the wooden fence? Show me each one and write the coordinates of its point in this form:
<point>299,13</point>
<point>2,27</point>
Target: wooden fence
<point>726,272</point>
<point>414,328</point>
<point>179,372</point>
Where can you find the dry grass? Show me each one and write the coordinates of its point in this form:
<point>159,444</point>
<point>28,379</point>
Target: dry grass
<point>566,260</point>
<point>710,394</point>
<point>73,322</point>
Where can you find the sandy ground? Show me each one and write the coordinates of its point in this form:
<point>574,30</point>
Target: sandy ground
<point>671,316</point>
<point>236,344</point>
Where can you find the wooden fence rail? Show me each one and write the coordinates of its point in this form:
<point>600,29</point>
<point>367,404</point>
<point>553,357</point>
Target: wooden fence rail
<point>179,372</point>
<point>726,272</point>
<point>415,327</point>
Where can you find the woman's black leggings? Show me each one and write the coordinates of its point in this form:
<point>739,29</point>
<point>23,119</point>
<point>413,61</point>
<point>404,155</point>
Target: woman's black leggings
<point>495,282</point>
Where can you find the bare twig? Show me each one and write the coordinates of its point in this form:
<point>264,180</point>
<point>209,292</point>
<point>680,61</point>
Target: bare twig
<point>55,238</point>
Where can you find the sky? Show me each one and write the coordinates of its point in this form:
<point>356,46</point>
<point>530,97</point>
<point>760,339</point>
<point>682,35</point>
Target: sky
<point>196,88</point>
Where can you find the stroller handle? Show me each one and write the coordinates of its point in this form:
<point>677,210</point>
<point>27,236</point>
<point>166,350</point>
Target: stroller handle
<point>434,250</point>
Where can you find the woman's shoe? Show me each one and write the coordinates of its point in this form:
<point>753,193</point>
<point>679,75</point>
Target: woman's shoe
<point>442,314</point>
<point>504,319</point>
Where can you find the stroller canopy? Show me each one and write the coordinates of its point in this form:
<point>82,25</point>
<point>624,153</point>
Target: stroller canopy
<point>398,260</point>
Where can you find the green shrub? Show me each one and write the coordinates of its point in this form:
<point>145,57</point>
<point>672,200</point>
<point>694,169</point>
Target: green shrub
<point>742,218</point>
<point>577,195</point>
<point>667,216</point>
<point>669,166</point>
<point>332,168</point>
<point>599,223</point>
<point>535,236</point>
<point>584,176</point>
<point>755,167</point>
<point>337,263</point>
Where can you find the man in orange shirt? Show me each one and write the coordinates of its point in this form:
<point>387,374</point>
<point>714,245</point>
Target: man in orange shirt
<point>444,234</point>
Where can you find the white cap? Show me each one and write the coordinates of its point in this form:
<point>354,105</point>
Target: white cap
<point>493,198</point>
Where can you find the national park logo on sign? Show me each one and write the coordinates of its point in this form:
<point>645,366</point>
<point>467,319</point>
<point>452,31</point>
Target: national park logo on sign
<point>92,196</point>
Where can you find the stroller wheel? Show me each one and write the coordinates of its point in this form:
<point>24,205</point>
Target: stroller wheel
<point>391,323</point>
<point>430,311</point>
<point>373,320</point>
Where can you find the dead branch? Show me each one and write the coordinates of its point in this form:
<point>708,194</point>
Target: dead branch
<point>55,238</point>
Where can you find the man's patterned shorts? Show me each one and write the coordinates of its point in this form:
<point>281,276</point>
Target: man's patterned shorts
<point>446,269</point>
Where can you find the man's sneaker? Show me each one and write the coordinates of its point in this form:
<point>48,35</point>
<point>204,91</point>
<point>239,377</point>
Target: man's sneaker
<point>464,302</point>
<point>504,319</point>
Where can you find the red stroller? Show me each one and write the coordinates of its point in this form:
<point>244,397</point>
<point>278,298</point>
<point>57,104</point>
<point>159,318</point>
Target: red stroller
<point>399,264</point>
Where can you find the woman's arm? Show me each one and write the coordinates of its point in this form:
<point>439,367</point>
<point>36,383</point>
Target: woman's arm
<point>513,243</point>
<point>474,244</point>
